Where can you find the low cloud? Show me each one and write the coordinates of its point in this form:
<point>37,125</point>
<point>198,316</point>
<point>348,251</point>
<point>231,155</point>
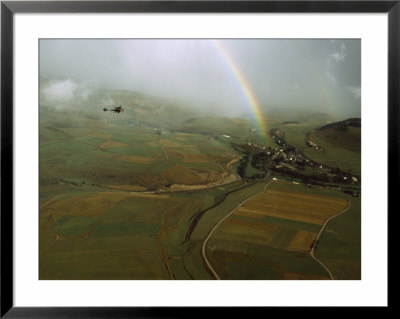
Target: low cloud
<point>59,91</point>
<point>62,93</point>
<point>196,73</point>
<point>355,91</point>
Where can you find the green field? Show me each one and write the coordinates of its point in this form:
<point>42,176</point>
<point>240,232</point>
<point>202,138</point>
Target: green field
<point>333,152</point>
<point>118,200</point>
<point>335,156</point>
<point>340,244</point>
<point>261,247</point>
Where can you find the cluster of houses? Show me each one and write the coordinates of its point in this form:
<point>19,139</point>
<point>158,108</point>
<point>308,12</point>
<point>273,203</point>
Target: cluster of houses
<point>294,159</point>
<point>291,158</point>
<point>286,159</point>
<point>278,136</point>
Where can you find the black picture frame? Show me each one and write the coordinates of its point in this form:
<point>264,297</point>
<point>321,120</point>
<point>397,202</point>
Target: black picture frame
<point>9,8</point>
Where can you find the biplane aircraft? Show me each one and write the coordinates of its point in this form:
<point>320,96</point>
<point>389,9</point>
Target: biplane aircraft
<point>117,109</point>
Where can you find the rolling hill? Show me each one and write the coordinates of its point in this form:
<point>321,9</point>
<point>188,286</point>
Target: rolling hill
<point>345,134</point>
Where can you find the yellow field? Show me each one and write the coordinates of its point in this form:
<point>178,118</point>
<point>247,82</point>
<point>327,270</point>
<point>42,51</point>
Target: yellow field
<point>152,144</point>
<point>302,207</point>
<point>187,176</point>
<point>134,159</point>
<point>133,188</point>
<point>101,135</point>
<point>168,143</point>
<point>190,157</point>
<point>92,205</point>
<point>110,143</point>
<point>180,138</point>
<point>249,214</point>
<point>147,195</point>
<point>259,234</point>
<point>302,240</point>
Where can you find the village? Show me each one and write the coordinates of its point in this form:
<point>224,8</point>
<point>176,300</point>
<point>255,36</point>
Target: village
<point>288,161</point>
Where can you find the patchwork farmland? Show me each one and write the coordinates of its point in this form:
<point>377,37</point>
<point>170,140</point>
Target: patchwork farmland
<point>139,198</point>
<point>279,220</point>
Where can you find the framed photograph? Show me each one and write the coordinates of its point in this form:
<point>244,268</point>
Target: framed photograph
<point>164,157</point>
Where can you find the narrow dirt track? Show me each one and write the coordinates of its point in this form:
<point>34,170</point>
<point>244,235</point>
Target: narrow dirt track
<point>203,248</point>
<point>49,201</point>
<point>319,235</point>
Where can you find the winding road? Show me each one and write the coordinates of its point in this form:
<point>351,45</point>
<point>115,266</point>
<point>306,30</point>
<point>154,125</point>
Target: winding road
<point>212,270</point>
<point>319,235</point>
<point>49,201</point>
<point>203,248</point>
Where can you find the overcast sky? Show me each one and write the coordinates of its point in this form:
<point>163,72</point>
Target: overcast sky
<point>321,75</point>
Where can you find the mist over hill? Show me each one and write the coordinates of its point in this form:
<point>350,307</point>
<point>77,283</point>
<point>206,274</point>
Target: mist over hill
<point>230,78</point>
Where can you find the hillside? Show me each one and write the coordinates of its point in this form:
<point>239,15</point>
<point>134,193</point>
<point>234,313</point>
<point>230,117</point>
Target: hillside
<point>342,125</point>
<point>345,134</point>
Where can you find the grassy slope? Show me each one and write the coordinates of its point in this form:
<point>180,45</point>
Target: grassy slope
<point>333,155</point>
<point>76,152</point>
<point>338,149</point>
<point>238,252</point>
<point>296,134</point>
<point>141,238</point>
<point>125,242</point>
<point>340,244</point>
<point>349,139</point>
<point>205,224</point>
<point>74,165</point>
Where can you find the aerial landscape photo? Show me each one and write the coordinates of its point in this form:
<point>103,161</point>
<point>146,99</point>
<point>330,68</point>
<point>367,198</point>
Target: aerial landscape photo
<point>199,159</point>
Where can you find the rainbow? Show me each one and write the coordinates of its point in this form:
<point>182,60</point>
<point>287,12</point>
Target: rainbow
<point>244,86</point>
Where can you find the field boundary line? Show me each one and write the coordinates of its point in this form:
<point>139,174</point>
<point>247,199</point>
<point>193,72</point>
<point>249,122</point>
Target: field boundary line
<point>192,187</point>
<point>203,248</point>
<point>49,201</point>
<point>163,150</point>
<point>319,235</point>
